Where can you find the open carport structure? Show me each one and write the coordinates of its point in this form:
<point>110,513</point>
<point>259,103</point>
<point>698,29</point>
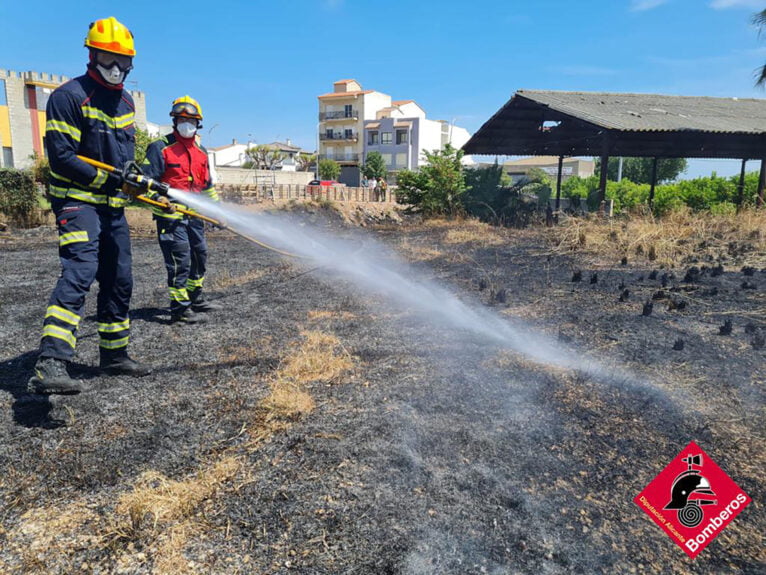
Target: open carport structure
<point>630,125</point>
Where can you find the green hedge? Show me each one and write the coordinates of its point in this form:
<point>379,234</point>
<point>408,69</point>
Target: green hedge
<point>18,196</point>
<point>713,193</point>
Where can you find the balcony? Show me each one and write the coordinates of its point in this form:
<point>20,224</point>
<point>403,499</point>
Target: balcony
<point>341,115</point>
<point>339,137</point>
<point>344,158</point>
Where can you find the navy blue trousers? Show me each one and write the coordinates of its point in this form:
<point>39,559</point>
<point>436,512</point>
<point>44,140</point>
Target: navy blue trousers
<point>184,248</point>
<point>94,244</point>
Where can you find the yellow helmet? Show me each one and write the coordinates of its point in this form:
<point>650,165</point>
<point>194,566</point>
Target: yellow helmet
<point>109,35</point>
<point>186,107</point>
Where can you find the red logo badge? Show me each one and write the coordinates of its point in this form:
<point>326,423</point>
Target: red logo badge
<point>692,499</point>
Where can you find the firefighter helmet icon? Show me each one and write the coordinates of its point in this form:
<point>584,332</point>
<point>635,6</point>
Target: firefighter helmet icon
<point>689,493</point>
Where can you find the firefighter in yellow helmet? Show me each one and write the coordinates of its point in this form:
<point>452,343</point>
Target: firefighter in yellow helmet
<point>180,162</point>
<point>93,116</point>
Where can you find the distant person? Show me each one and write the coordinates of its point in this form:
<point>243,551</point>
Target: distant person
<point>179,161</point>
<point>374,188</point>
<point>91,115</point>
<point>383,188</point>
<point>365,183</point>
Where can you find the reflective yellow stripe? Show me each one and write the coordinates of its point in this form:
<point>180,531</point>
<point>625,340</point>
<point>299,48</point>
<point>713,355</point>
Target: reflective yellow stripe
<point>60,177</point>
<point>193,284</point>
<point>116,122</point>
<point>64,128</point>
<point>163,214</point>
<point>57,192</point>
<point>84,196</point>
<point>60,333</point>
<point>211,193</point>
<point>73,237</point>
<point>113,343</point>
<point>178,294</point>
<point>114,327</point>
<point>63,314</point>
<point>117,202</point>
<point>100,178</point>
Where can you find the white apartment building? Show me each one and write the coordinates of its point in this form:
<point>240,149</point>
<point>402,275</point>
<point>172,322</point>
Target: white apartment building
<point>401,133</point>
<point>354,122</point>
<point>342,114</point>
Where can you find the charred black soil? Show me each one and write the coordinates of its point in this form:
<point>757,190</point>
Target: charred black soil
<point>309,427</point>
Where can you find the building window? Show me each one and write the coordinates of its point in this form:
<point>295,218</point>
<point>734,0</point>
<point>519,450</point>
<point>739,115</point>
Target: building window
<point>385,138</point>
<point>401,160</point>
<point>387,159</point>
<point>7,157</point>
<point>328,133</point>
<point>401,137</point>
<point>3,98</point>
<point>348,134</point>
<point>372,138</point>
<point>347,110</point>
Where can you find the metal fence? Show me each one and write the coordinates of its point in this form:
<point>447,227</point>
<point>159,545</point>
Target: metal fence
<point>252,193</point>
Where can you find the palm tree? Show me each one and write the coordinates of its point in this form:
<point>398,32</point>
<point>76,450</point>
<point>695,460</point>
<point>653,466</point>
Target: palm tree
<point>759,19</point>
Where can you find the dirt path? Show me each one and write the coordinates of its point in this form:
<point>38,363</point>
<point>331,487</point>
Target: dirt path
<point>311,428</point>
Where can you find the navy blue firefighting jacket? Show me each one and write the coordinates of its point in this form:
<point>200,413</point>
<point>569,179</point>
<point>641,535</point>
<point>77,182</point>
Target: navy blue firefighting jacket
<point>86,118</point>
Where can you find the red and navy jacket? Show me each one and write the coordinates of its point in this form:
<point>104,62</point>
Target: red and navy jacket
<point>87,118</point>
<point>182,164</point>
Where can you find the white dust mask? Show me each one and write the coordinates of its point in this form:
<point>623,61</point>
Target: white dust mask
<point>112,75</point>
<point>186,129</point>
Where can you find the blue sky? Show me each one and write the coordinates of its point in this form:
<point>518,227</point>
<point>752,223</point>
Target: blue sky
<point>256,67</point>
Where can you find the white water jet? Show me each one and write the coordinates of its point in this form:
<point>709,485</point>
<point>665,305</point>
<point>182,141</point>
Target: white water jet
<point>376,268</point>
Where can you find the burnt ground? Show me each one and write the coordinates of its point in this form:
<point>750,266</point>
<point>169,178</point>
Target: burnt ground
<point>431,451</point>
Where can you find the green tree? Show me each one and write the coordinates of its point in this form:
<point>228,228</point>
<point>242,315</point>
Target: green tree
<point>483,191</point>
<point>374,167</point>
<point>439,185</point>
<point>263,157</point>
<point>142,142</point>
<point>329,169</point>
<point>305,161</point>
<point>639,170</point>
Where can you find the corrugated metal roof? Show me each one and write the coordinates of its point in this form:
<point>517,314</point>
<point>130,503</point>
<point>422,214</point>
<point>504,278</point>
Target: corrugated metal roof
<point>655,112</point>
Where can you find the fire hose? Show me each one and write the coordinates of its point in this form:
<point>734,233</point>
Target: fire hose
<point>131,174</point>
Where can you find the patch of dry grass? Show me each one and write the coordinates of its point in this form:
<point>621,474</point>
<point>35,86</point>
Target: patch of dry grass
<point>665,241</point>
<point>474,232</point>
<point>319,357</point>
<point>319,315</point>
<point>225,279</point>
<point>416,252</point>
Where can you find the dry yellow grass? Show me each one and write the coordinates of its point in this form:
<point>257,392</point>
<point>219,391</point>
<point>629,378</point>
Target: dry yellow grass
<point>318,315</point>
<point>320,357</point>
<point>662,241</point>
<point>156,500</point>
<point>415,252</point>
<point>225,279</point>
<point>286,401</point>
<point>475,232</point>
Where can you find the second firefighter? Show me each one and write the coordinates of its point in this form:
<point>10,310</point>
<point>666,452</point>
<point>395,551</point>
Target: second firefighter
<point>179,161</point>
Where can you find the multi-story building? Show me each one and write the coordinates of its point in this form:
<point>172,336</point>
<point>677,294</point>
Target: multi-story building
<point>342,114</point>
<point>401,133</point>
<point>23,97</point>
<point>354,122</point>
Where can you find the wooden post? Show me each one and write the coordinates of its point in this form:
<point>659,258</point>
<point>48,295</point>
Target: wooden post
<point>602,183</point>
<point>654,182</point>
<point>761,184</point>
<point>558,187</point>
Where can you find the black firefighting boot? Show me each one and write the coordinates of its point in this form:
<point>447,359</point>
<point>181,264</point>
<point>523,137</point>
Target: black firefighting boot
<point>187,316</point>
<point>51,376</point>
<point>122,364</point>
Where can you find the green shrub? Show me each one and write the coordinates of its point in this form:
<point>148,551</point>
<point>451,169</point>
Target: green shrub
<point>723,209</point>
<point>18,196</point>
